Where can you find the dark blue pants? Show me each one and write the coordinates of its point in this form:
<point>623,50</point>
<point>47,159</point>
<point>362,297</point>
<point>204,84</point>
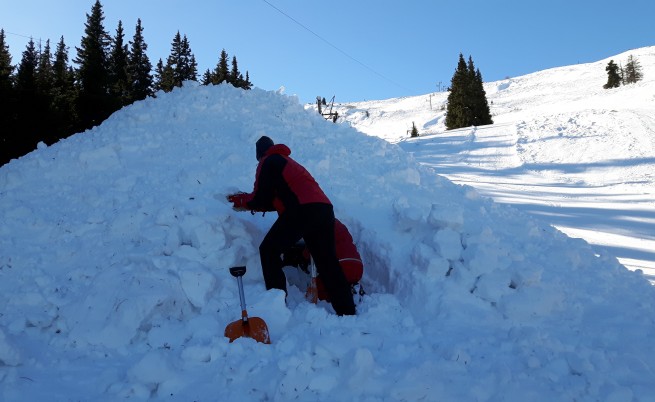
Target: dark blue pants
<point>315,224</point>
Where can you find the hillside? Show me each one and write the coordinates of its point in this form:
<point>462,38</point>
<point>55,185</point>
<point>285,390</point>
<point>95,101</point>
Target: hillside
<point>562,148</point>
<point>115,247</point>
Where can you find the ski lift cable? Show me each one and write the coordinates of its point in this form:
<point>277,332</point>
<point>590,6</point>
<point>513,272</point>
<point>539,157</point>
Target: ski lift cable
<point>336,48</point>
<point>24,36</point>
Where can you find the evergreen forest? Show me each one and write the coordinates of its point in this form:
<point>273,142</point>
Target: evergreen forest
<point>47,96</point>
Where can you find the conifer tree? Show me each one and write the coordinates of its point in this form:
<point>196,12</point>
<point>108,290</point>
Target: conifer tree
<point>180,66</point>
<point>43,97</point>
<point>6,68</point>
<point>93,101</point>
<point>119,90</point>
<point>632,70</point>
<point>26,73</point>
<point>164,80</point>
<point>7,102</point>
<point>467,100</point>
<point>206,77</point>
<point>414,132</point>
<point>458,113</point>
<point>63,92</point>
<point>221,72</point>
<point>24,137</point>
<point>187,70</point>
<point>175,57</point>
<point>613,77</point>
<point>235,77</point>
<point>44,74</point>
<point>139,67</point>
<point>246,83</point>
<point>478,96</point>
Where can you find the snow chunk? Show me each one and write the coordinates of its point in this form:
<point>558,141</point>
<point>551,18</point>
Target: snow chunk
<point>449,243</point>
<point>198,284</point>
<point>407,215</point>
<point>104,158</point>
<point>9,355</point>
<point>446,216</point>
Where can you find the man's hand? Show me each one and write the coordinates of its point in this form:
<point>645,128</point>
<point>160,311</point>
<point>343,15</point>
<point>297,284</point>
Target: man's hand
<point>239,201</point>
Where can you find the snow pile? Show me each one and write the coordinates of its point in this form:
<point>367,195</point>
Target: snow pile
<point>115,246</point>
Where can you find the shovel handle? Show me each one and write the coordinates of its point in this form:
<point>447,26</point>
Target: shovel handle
<point>238,271</point>
<point>312,290</point>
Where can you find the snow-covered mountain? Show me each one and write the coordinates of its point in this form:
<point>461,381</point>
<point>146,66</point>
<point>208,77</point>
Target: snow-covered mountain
<point>115,246</point>
<point>562,147</point>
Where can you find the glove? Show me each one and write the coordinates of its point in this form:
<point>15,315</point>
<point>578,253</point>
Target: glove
<point>239,201</point>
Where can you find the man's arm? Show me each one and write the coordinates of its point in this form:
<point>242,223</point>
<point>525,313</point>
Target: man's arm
<point>268,180</point>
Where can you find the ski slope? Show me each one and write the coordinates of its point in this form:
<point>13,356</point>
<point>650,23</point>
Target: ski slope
<point>562,148</point>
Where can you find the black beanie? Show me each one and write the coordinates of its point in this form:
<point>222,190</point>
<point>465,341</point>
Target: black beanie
<point>262,145</point>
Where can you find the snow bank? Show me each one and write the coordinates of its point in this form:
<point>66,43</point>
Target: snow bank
<point>116,243</point>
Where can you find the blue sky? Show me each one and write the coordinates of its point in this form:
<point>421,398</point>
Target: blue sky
<point>355,50</point>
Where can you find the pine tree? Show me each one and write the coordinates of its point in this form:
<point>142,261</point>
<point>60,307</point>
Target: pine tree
<point>94,103</point>
<point>63,93</point>
<point>6,68</point>
<point>246,83</point>
<point>44,73</point>
<point>119,88</point>
<point>414,132</point>
<point>458,113</point>
<point>187,69</point>
<point>164,79</point>
<point>467,100</point>
<point>61,70</point>
<point>480,106</point>
<point>221,72</point>
<point>24,137</point>
<point>7,102</point>
<point>206,77</point>
<point>613,77</point>
<point>42,102</point>
<point>235,77</point>
<point>632,70</point>
<point>26,73</point>
<point>174,59</point>
<point>139,67</point>
<point>180,66</point>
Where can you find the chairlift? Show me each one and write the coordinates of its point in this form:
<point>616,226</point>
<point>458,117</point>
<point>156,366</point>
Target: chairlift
<point>329,115</point>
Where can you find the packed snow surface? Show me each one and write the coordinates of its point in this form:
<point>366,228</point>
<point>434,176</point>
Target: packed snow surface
<point>115,246</point>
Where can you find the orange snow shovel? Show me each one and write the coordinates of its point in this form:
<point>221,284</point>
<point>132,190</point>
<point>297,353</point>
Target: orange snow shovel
<point>248,327</point>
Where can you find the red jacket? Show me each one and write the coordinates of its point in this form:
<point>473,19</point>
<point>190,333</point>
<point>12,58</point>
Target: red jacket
<point>349,258</point>
<point>282,183</point>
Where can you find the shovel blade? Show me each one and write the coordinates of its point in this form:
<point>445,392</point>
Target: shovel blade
<point>254,328</point>
<point>312,292</point>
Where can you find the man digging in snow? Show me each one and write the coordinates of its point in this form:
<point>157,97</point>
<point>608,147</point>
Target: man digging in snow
<point>304,211</point>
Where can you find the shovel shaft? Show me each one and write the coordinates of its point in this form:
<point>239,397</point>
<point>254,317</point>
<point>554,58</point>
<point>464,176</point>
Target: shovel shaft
<point>312,290</point>
<point>312,267</point>
<point>242,298</point>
